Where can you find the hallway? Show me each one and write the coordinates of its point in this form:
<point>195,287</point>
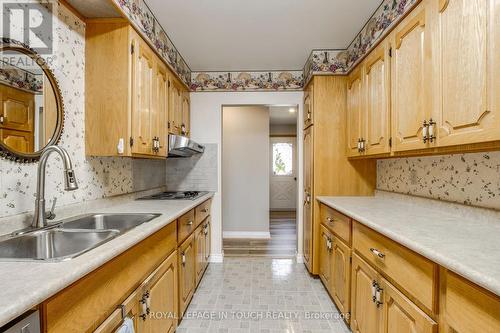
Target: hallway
<point>283,241</point>
<point>265,295</point>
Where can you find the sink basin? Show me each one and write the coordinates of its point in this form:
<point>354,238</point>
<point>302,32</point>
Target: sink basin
<point>120,222</point>
<point>69,238</point>
<point>53,244</point>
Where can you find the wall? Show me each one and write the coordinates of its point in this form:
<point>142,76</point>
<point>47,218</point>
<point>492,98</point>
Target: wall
<point>97,177</point>
<point>197,173</point>
<point>283,129</point>
<point>471,179</point>
<point>245,172</point>
<point>206,127</point>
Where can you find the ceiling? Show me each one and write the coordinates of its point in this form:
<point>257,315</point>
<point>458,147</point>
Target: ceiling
<point>281,115</point>
<point>223,35</point>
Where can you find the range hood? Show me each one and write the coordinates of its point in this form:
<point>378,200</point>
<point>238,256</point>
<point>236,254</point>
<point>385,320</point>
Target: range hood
<point>181,146</point>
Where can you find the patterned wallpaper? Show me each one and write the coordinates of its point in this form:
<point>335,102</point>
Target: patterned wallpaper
<point>97,177</point>
<point>143,19</point>
<point>241,81</point>
<point>20,79</point>
<point>471,179</point>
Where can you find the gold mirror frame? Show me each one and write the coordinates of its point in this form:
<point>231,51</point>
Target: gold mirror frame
<point>8,44</point>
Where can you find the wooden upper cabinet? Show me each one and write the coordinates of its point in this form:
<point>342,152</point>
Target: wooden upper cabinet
<point>377,108</point>
<point>186,114</point>
<point>159,116</point>
<point>465,65</point>
<point>411,79</point>
<point>142,99</point>
<point>175,110</point>
<point>308,105</point>
<point>16,109</point>
<point>355,115</point>
<point>399,314</point>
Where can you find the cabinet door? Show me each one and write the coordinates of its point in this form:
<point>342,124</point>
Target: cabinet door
<point>377,110</point>
<point>186,115</point>
<point>208,234</point>
<point>341,275</point>
<point>365,316</point>
<point>199,239</point>
<point>142,99</point>
<point>308,193</point>
<point>187,276</point>
<point>131,308</point>
<point>466,116</point>
<point>16,109</point>
<point>326,258</point>
<point>354,112</point>
<point>17,140</point>
<point>399,314</point>
<point>162,291</point>
<point>411,79</point>
<point>175,110</point>
<point>308,106</point>
<point>159,116</point>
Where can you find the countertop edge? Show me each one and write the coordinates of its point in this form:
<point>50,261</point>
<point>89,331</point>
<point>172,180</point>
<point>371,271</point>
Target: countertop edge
<point>9,314</point>
<point>444,261</point>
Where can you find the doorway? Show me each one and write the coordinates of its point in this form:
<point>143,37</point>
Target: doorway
<point>262,155</point>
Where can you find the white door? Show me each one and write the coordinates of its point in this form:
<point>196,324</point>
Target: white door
<point>283,181</point>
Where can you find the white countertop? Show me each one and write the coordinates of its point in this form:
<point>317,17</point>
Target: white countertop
<point>462,243</point>
<point>24,285</point>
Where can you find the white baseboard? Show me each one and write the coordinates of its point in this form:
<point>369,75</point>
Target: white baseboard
<point>216,257</point>
<point>247,234</point>
<point>300,258</point>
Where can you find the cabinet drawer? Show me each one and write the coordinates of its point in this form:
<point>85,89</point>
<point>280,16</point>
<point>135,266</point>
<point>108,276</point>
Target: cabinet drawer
<point>202,211</point>
<point>336,222</point>
<point>185,226</point>
<point>411,271</point>
<point>467,307</point>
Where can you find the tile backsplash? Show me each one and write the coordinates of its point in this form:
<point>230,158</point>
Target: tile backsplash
<point>97,177</point>
<point>471,179</point>
<point>197,173</point>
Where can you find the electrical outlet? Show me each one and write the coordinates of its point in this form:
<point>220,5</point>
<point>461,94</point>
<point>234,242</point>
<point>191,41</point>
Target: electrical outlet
<point>413,177</point>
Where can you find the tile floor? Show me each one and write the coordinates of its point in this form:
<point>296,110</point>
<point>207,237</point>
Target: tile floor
<point>256,294</point>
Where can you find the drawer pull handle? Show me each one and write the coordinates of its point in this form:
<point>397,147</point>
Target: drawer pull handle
<point>377,253</point>
<point>374,290</point>
<point>189,222</point>
<point>183,260</point>
<point>204,210</point>
<point>378,296</point>
<point>329,220</point>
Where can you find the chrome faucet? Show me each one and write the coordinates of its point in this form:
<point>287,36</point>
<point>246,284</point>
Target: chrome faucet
<point>70,184</point>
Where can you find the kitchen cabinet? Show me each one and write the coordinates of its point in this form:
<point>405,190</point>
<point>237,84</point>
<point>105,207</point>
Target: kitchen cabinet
<point>327,171</point>
<point>199,239</point>
<point>308,181</point>
<point>466,42</point>
<point>341,276</point>
<point>411,80</point>
<point>308,105</point>
<point>18,140</point>
<point>179,113</point>
<point>129,93</point>
<point>376,90</point>
<point>365,315</point>
<point>187,272</point>
<point>186,114</point>
<point>326,258</point>
<point>355,114</point>
<point>130,308</point>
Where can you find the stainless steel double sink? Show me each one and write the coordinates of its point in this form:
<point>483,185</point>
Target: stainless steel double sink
<point>69,238</point>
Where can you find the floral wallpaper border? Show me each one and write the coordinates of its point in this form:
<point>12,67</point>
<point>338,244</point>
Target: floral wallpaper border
<point>139,14</point>
<point>21,79</point>
<point>247,81</point>
<point>341,61</point>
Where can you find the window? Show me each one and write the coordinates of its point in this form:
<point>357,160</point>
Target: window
<point>282,159</point>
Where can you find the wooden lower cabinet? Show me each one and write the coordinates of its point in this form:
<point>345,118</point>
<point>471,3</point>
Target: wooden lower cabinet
<point>365,316</point>
<point>341,276</point>
<point>130,308</point>
<point>326,258</point>
<point>187,272</point>
<point>199,239</point>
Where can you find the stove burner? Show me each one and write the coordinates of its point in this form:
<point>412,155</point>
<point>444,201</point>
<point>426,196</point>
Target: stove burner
<point>186,195</point>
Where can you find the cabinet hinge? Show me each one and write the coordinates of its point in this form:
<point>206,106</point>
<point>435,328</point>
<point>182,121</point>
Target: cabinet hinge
<point>390,142</point>
<point>350,260</point>
<point>169,83</point>
<point>131,48</point>
<point>390,52</point>
<point>131,141</point>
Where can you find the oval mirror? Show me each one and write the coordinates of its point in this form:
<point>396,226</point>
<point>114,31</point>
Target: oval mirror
<point>31,108</point>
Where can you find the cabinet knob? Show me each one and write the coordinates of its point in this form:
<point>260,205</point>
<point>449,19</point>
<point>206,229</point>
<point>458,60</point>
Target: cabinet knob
<point>204,210</point>
<point>377,253</point>
<point>2,119</point>
<point>190,222</point>
<point>183,259</point>
<point>329,220</point>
